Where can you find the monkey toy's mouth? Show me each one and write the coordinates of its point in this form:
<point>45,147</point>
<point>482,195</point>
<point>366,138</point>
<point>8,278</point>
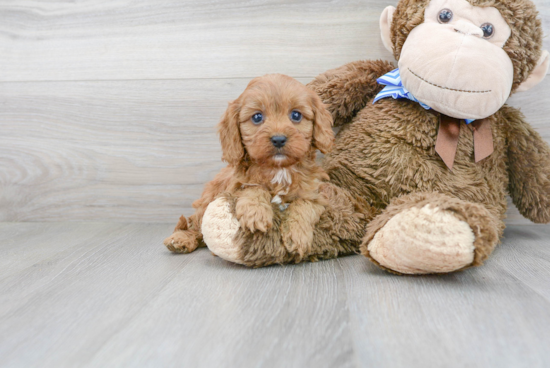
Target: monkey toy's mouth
<point>457,74</point>
<point>446,88</point>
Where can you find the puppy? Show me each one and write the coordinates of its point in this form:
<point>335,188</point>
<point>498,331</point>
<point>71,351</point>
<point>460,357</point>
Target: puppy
<point>269,136</point>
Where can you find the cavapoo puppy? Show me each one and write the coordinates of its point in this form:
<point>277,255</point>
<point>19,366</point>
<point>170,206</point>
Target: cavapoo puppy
<point>269,136</point>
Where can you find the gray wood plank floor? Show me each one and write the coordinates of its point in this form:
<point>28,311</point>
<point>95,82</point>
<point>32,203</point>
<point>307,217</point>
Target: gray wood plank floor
<point>106,295</point>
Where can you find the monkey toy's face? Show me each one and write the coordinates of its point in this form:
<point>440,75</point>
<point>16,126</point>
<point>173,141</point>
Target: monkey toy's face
<point>454,60</point>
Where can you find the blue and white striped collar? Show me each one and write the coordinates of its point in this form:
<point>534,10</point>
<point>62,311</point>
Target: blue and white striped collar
<point>394,88</point>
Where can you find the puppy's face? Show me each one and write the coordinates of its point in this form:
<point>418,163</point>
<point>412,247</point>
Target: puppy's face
<point>279,121</point>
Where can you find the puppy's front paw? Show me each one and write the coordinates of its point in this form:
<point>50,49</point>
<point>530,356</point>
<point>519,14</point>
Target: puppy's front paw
<point>257,216</point>
<point>182,242</point>
<point>299,226</point>
<point>298,237</point>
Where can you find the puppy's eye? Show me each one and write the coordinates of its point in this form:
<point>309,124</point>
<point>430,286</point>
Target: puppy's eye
<point>445,16</point>
<point>296,116</point>
<point>488,30</point>
<point>257,118</point>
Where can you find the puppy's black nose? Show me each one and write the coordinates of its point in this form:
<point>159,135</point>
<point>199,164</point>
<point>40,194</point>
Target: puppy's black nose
<point>278,141</point>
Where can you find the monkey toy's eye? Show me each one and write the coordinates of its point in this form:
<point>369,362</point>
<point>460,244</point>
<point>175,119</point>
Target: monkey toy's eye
<point>488,30</point>
<point>296,116</point>
<point>257,118</point>
<point>445,16</point>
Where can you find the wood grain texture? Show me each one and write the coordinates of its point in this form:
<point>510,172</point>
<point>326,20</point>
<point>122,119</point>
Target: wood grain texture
<point>103,295</point>
<point>108,108</point>
<point>127,150</point>
<point>144,39</point>
<point>475,318</point>
<point>124,150</point>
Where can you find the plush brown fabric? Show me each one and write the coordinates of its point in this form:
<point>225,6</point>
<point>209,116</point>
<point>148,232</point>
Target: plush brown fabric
<point>524,46</point>
<point>387,152</point>
<point>338,232</point>
<point>487,228</point>
<point>529,168</point>
<point>384,162</point>
<point>353,82</point>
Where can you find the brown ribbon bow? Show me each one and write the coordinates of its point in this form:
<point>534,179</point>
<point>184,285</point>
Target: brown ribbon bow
<point>447,139</point>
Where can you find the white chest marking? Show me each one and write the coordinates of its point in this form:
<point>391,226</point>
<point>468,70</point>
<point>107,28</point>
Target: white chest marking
<point>282,176</point>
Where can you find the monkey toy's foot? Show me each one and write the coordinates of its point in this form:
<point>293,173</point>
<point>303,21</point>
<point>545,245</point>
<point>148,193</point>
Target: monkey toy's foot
<point>431,233</point>
<point>338,231</point>
<point>219,228</point>
<point>225,237</point>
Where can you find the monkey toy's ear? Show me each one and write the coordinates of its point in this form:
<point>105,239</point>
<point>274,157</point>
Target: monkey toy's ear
<point>537,75</point>
<point>385,27</point>
<point>230,134</point>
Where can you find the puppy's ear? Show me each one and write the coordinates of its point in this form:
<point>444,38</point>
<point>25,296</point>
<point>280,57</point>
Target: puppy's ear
<point>323,136</point>
<point>230,134</point>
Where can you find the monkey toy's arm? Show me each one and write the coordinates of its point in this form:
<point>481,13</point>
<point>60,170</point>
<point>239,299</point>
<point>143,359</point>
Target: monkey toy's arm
<point>529,168</point>
<point>347,89</point>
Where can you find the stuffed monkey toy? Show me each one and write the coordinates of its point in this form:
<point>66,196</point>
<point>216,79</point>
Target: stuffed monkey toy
<point>428,150</point>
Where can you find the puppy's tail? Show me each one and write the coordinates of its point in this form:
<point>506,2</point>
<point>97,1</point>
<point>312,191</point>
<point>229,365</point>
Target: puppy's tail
<point>182,224</point>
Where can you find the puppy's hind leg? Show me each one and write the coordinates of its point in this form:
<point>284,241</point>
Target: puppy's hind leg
<point>183,240</point>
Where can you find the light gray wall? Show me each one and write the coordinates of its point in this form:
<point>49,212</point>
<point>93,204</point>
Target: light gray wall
<point>108,108</point>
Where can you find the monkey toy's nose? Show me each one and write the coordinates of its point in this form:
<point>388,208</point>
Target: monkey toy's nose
<point>467,28</point>
<point>278,141</point>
